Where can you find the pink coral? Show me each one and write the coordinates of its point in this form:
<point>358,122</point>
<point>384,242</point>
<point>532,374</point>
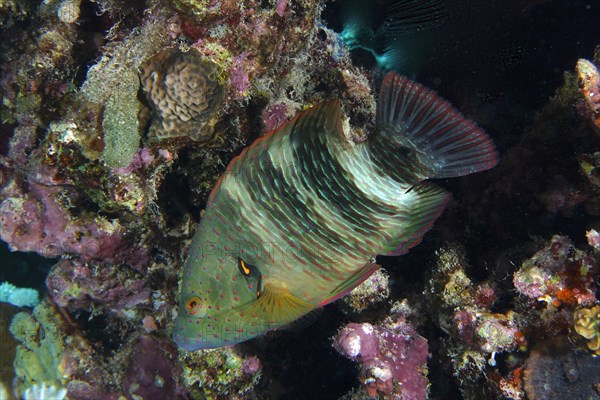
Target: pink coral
<point>76,284</point>
<point>239,75</point>
<point>33,218</point>
<point>251,366</point>
<point>392,358</point>
<point>274,115</point>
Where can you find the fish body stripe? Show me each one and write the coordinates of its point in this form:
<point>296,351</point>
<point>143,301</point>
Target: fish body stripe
<point>308,210</point>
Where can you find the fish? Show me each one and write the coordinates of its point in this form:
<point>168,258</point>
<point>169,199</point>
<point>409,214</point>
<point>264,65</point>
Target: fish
<point>297,219</point>
<point>380,29</point>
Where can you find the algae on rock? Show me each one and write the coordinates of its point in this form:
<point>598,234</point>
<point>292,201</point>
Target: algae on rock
<point>120,122</point>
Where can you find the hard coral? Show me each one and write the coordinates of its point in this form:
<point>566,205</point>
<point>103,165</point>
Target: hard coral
<point>44,392</point>
<point>184,90</point>
<point>586,322</point>
<point>392,358</point>
<point>372,291</point>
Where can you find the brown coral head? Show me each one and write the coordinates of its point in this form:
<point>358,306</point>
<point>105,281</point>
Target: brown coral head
<point>184,91</point>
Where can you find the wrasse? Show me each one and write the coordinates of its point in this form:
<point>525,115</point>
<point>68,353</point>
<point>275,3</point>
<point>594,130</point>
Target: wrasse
<point>297,218</point>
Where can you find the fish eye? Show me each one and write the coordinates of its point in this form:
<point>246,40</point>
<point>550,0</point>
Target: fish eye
<point>251,271</point>
<point>192,305</point>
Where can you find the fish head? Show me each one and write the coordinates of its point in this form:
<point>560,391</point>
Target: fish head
<point>217,300</point>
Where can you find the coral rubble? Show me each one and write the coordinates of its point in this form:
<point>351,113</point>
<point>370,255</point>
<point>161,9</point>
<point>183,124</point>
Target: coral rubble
<point>392,357</point>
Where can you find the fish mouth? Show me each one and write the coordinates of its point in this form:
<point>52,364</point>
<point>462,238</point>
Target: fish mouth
<point>191,343</point>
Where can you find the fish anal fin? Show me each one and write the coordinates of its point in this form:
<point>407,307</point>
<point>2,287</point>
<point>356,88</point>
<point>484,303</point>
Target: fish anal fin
<point>353,281</point>
<point>430,203</point>
<point>304,321</point>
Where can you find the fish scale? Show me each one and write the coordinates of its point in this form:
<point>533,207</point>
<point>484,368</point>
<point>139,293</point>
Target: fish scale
<point>297,218</point>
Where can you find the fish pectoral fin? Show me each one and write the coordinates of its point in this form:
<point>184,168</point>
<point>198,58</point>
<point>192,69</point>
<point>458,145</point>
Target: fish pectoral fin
<point>353,281</point>
<point>278,305</point>
<point>304,321</point>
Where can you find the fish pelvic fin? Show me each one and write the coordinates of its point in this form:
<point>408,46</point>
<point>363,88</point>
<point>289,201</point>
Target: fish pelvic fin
<point>421,135</point>
<point>277,305</point>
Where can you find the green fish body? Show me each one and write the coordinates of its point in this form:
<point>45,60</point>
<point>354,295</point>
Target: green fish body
<point>297,218</point>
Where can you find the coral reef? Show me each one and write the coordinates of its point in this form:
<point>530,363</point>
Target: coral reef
<point>120,123</point>
<point>20,297</point>
<point>220,374</point>
<point>35,216</point>
<point>117,118</point>
<point>80,285</point>
<point>44,392</point>
<point>42,345</point>
<point>553,372</point>
<point>558,274</point>
<point>477,333</point>
<point>392,357</point>
<point>8,349</point>
<point>589,80</point>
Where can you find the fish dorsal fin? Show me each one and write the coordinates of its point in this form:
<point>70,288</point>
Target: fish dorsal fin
<point>277,305</point>
<point>353,281</point>
<point>323,119</point>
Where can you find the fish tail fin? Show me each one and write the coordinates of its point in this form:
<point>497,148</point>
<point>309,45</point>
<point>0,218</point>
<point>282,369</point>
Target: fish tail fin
<point>421,135</point>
